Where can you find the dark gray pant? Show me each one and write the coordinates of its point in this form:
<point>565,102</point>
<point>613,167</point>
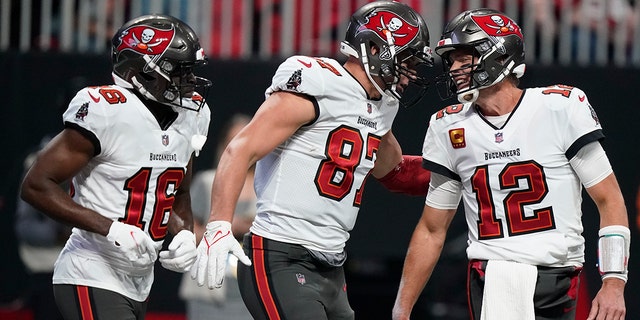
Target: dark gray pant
<point>285,282</point>
<point>87,303</point>
<point>554,297</point>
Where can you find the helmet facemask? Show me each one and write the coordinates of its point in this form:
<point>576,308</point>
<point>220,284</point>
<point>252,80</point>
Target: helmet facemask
<point>173,83</point>
<point>489,67</point>
<point>390,66</point>
<point>413,65</point>
<point>475,72</point>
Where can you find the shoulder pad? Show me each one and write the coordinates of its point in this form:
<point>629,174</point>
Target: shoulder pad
<point>302,74</point>
<point>450,110</point>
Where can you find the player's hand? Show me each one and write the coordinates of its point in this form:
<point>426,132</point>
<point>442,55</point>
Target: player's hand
<point>609,301</point>
<point>181,254</point>
<point>134,244</point>
<point>213,251</point>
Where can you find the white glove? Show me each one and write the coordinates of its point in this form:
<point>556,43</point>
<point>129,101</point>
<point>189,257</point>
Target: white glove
<point>181,254</point>
<point>136,245</point>
<point>213,251</point>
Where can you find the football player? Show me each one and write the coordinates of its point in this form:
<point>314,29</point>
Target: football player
<point>323,128</point>
<point>518,159</point>
<point>128,150</point>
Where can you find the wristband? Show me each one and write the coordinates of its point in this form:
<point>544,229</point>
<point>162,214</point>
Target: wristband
<point>613,252</point>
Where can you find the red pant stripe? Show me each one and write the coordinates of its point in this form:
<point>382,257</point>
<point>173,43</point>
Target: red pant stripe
<point>260,271</point>
<point>84,302</point>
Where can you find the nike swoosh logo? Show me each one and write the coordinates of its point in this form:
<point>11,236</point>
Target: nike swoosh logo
<point>306,64</point>
<point>581,98</point>
<point>130,232</point>
<point>96,100</point>
<point>217,237</point>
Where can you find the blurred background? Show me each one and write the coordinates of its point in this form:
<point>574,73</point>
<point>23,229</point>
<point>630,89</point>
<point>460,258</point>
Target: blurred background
<point>49,49</point>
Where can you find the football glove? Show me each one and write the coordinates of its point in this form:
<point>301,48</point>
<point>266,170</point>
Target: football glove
<point>181,254</point>
<point>213,251</point>
<point>134,244</point>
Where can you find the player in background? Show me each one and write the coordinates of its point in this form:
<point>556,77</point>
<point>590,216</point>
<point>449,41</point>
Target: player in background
<point>225,302</point>
<point>315,139</point>
<point>518,158</point>
<point>127,149</point>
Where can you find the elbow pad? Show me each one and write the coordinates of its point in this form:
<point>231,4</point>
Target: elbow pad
<point>408,177</point>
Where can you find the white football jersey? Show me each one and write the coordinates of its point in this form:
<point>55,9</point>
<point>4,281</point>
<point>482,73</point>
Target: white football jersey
<point>136,170</point>
<point>310,187</point>
<point>522,199</point>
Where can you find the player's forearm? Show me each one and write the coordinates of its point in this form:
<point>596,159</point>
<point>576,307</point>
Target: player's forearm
<point>224,197</point>
<point>613,214</point>
<point>608,198</point>
<point>422,256</point>
<point>227,185</point>
<point>47,196</point>
<point>414,278</point>
<point>411,285</point>
<point>388,157</point>
<point>182,216</point>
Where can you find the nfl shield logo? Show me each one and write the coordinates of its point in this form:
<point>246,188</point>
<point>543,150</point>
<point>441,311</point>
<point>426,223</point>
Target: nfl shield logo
<point>165,139</point>
<point>499,137</point>
<point>301,279</point>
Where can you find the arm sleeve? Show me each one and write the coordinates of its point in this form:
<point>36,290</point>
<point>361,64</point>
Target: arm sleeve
<point>408,177</point>
<point>591,164</point>
<point>444,192</point>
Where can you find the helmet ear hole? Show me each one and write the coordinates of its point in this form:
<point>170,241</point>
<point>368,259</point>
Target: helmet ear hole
<point>502,59</point>
<point>374,49</point>
<point>146,76</point>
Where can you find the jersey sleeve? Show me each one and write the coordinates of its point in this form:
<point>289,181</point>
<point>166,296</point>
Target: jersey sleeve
<point>299,74</point>
<point>86,115</point>
<point>583,124</point>
<point>434,151</point>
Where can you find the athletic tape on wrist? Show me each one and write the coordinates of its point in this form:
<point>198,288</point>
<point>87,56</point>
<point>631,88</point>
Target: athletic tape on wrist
<point>613,251</point>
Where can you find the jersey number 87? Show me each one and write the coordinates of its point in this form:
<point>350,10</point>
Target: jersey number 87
<point>344,149</point>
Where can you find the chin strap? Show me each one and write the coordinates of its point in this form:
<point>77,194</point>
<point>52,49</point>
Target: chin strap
<point>365,62</point>
<point>613,252</point>
<point>472,95</point>
<point>469,96</point>
<point>138,86</point>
